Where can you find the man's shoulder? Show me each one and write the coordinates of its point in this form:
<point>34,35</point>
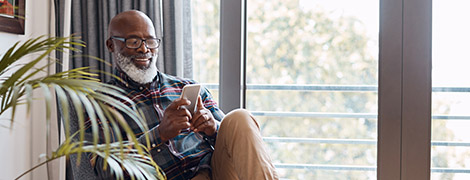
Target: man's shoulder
<point>114,82</point>
<point>170,80</point>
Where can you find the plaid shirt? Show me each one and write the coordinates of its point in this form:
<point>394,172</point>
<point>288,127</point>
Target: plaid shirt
<point>182,156</point>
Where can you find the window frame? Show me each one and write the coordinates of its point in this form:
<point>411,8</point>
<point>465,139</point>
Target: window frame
<point>232,82</point>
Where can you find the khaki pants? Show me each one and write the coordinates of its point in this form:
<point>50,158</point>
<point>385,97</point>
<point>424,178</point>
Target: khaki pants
<point>239,151</point>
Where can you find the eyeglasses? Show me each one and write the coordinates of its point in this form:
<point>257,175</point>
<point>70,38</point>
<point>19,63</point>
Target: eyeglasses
<point>135,43</point>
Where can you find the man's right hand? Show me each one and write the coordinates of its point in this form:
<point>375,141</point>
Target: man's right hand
<point>175,118</point>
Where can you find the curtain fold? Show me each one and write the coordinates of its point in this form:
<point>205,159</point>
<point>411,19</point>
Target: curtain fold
<point>169,42</point>
<point>187,39</point>
<point>177,44</point>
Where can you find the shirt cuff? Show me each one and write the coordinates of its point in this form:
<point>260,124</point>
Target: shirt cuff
<point>211,139</point>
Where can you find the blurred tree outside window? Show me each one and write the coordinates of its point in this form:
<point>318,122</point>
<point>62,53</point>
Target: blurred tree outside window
<point>205,18</point>
<point>315,43</point>
<point>451,97</point>
<point>312,76</point>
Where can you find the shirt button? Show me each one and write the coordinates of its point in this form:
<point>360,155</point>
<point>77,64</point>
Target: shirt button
<point>159,150</point>
<point>206,139</point>
<point>141,88</point>
<point>185,171</point>
<point>153,145</point>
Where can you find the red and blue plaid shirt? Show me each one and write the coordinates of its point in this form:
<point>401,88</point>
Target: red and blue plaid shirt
<point>182,156</point>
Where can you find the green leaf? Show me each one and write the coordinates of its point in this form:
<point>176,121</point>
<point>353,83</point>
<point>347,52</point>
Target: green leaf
<point>78,88</point>
<point>13,104</point>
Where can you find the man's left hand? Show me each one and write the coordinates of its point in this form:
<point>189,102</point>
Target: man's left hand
<point>202,120</point>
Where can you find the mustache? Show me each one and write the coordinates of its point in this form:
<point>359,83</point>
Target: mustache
<point>141,56</point>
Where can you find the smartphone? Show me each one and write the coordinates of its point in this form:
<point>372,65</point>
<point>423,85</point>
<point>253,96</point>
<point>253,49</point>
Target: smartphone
<point>191,92</point>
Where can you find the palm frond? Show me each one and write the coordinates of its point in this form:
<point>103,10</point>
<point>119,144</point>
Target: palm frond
<point>78,88</point>
<point>128,160</point>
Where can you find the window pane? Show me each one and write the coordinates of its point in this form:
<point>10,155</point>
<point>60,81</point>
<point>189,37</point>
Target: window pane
<point>312,84</point>
<point>451,87</point>
<point>205,19</point>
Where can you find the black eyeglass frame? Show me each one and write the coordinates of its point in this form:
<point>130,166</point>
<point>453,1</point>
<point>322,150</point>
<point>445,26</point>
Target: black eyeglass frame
<point>124,40</point>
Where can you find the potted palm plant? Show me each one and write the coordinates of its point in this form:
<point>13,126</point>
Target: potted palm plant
<point>77,88</point>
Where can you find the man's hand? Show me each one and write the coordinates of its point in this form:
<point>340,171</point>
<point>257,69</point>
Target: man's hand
<point>175,118</point>
<point>202,120</point>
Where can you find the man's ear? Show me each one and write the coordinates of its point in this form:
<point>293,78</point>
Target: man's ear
<point>110,45</point>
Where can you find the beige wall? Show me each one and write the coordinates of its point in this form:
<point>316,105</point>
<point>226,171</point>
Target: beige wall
<point>22,145</point>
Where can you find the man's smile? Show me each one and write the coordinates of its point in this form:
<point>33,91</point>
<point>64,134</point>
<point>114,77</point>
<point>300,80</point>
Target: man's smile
<point>141,62</point>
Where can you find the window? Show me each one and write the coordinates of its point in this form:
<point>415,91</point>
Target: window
<point>259,41</point>
<point>205,42</point>
<point>451,87</point>
<point>311,79</point>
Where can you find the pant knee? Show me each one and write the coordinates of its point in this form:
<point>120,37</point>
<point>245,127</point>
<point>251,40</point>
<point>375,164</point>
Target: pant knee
<point>240,119</point>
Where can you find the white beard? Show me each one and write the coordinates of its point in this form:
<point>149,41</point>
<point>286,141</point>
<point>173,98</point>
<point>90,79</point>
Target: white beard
<point>140,75</point>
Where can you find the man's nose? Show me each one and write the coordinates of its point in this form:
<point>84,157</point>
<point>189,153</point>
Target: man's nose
<point>143,48</point>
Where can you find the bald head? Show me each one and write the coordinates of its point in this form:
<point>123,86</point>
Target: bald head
<point>129,21</point>
<point>128,33</point>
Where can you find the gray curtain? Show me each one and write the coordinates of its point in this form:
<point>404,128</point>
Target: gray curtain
<point>182,21</point>
<point>169,42</point>
<point>187,40</point>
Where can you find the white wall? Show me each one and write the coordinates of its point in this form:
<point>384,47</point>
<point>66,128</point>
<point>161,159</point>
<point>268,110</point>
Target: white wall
<point>22,145</point>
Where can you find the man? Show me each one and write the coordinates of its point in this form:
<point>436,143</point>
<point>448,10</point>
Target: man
<point>186,146</point>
